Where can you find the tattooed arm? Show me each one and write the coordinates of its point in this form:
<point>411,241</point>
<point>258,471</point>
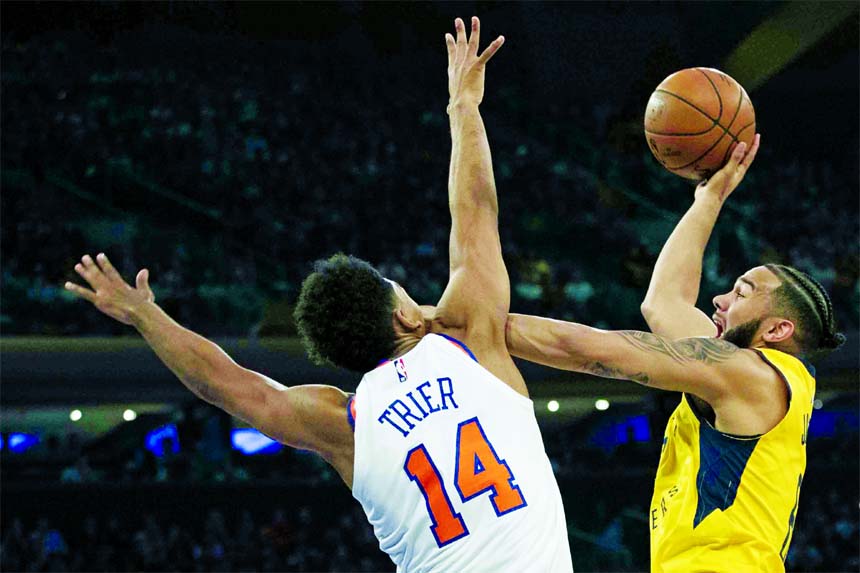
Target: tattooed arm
<point>709,368</point>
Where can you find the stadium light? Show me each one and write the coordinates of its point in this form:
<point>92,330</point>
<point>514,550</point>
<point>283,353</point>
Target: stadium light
<point>75,415</point>
<point>250,442</point>
<point>129,415</point>
<point>552,405</point>
<point>601,404</point>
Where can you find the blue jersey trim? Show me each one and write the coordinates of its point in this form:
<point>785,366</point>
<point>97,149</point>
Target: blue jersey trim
<point>809,367</point>
<point>349,416</point>
<point>781,374</point>
<point>460,344</point>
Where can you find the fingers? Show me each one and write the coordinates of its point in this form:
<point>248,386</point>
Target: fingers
<point>452,48</point>
<point>461,46</point>
<point>738,154</point>
<point>475,36</point>
<point>750,157</point>
<point>80,291</point>
<point>107,268</point>
<point>461,32</point>
<point>491,50</point>
<point>142,279</point>
<point>90,272</point>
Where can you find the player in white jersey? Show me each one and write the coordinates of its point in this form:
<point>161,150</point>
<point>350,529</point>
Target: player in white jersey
<point>440,443</point>
<point>471,449</point>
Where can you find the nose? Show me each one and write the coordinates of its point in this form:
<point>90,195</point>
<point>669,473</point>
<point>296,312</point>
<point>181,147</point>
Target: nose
<point>721,302</point>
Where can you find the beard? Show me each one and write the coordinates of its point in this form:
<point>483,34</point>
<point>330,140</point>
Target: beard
<point>742,335</point>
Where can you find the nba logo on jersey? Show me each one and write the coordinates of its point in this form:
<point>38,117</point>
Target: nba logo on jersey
<point>400,368</point>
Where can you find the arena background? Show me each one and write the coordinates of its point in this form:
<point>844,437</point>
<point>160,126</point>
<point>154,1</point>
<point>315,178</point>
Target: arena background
<point>227,146</point>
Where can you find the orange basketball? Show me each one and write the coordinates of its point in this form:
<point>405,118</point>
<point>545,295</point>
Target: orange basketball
<point>693,120</point>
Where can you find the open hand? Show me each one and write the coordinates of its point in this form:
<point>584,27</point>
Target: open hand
<point>721,184</point>
<point>110,293</point>
<point>465,66</point>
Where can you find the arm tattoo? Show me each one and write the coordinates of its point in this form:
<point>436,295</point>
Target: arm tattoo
<point>707,350</point>
<point>600,369</point>
<point>203,391</point>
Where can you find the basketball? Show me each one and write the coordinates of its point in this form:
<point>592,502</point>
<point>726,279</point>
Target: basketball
<point>694,118</point>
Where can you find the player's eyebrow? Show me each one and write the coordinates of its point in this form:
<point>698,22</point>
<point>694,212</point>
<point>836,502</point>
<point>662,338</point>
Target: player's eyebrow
<point>747,281</point>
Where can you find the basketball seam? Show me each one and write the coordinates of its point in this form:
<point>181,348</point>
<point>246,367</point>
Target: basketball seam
<point>717,142</point>
<point>716,91</point>
<point>746,126</point>
<point>695,107</point>
<point>732,135</point>
<point>735,137</point>
<point>680,134</point>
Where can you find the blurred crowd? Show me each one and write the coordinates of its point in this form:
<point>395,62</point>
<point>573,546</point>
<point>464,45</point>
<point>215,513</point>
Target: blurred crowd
<point>206,507</point>
<point>226,166</point>
<point>156,542</point>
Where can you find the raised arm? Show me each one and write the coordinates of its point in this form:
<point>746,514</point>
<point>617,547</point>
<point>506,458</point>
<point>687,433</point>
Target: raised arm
<point>308,417</point>
<point>670,304</point>
<point>478,287</point>
<point>736,382</point>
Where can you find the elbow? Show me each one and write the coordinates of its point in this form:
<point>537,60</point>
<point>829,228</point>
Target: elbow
<point>647,309</point>
<point>541,340</point>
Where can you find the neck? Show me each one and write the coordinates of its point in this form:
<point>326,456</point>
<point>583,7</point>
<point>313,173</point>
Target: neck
<point>405,343</point>
<point>786,347</point>
<point>428,314</point>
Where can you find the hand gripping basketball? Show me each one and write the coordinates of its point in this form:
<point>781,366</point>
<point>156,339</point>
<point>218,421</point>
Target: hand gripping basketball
<point>723,182</point>
<point>465,66</point>
<point>110,293</point>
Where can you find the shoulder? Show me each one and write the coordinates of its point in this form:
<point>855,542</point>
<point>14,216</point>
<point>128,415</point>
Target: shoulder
<point>472,304</point>
<point>730,372</point>
<point>758,396</point>
<point>751,379</point>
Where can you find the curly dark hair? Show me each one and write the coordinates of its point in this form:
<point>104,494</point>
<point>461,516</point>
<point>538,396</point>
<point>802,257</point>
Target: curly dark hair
<point>802,299</point>
<point>344,314</point>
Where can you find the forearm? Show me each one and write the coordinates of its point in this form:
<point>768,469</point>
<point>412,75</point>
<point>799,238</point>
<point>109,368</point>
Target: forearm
<point>570,346</point>
<point>199,364</point>
<point>678,271</point>
<point>470,183</point>
<point>576,347</point>
<point>706,367</point>
<point>540,340</point>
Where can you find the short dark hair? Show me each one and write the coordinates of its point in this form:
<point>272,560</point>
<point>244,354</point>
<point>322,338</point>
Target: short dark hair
<point>344,314</point>
<point>804,301</point>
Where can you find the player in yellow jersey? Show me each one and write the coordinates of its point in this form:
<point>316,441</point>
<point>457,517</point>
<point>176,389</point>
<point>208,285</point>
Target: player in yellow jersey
<point>734,452</point>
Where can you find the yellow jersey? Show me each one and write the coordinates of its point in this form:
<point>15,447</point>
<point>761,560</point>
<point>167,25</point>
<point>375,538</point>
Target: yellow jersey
<point>725,503</point>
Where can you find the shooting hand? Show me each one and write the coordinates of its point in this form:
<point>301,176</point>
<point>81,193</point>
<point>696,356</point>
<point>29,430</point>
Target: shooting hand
<point>721,184</point>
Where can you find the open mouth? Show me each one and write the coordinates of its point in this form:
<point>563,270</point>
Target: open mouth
<point>719,328</point>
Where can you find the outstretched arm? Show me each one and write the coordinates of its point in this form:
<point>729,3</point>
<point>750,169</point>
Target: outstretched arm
<point>309,417</point>
<point>478,290</point>
<point>670,304</point>
<point>709,368</point>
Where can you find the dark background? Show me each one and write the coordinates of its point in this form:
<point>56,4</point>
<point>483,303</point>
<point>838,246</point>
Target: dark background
<point>227,146</point>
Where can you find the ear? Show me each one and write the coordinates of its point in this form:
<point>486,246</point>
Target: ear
<point>779,330</point>
<point>403,323</point>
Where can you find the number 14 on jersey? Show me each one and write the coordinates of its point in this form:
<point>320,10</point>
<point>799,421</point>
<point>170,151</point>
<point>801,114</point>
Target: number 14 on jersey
<point>477,470</point>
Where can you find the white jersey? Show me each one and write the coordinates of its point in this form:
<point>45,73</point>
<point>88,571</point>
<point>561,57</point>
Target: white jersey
<point>450,467</point>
